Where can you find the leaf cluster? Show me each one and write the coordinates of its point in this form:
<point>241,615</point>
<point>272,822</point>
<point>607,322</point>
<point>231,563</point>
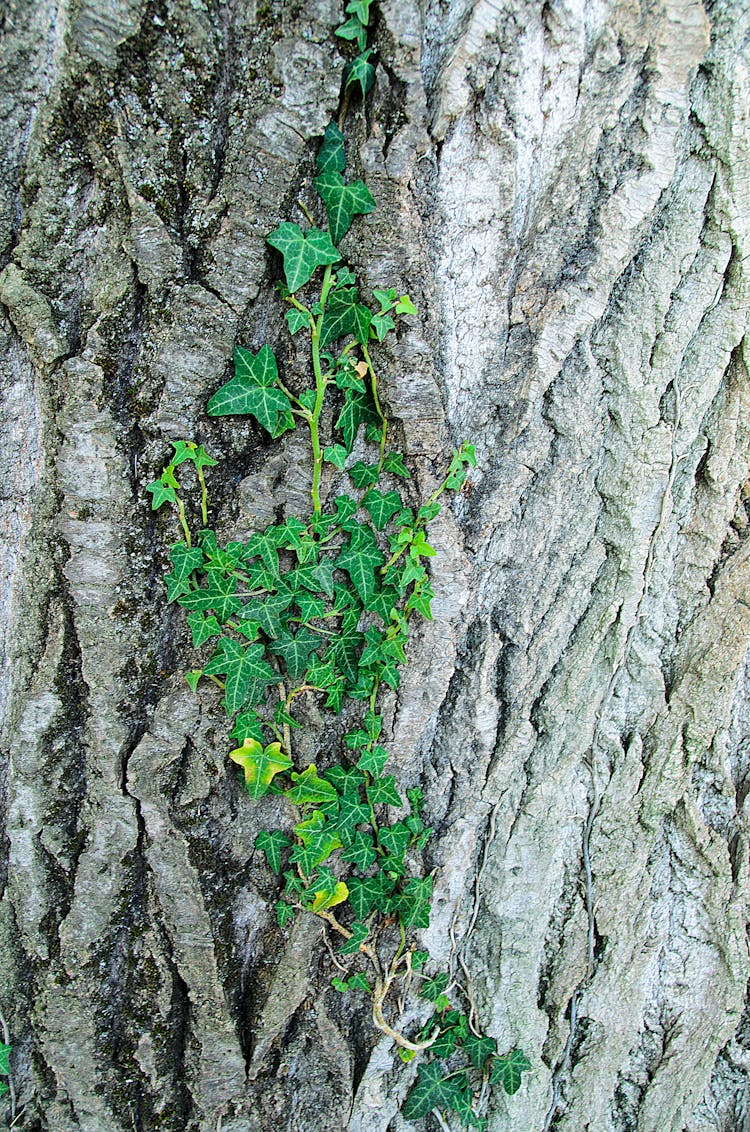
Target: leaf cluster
<point>319,607</point>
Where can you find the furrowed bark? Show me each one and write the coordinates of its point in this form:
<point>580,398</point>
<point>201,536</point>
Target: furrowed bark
<point>562,190</point>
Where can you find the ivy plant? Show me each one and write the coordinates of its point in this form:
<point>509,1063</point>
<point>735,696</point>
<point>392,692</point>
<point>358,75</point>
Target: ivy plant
<point>319,608</point>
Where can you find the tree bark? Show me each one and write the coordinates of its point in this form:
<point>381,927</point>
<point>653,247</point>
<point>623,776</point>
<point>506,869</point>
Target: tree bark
<point>563,191</point>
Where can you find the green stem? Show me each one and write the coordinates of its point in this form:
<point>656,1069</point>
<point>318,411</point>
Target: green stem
<point>183,519</point>
<point>204,497</point>
<point>320,389</point>
<point>376,399</point>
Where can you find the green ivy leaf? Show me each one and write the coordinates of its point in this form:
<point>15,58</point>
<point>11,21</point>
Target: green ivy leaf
<point>344,314</point>
<point>202,627</point>
<point>343,202</point>
<point>381,324</point>
<point>361,71</point>
<point>260,765</point>
<point>218,595</point>
<point>507,1070</point>
<point>247,673</point>
<point>360,933</point>
<point>353,29</point>
<point>363,475</point>
<point>186,560</point>
<point>433,1090</point>
<point>395,838</point>
<point>360,982</point>
<point>382,791</point>
<point>284,913</point>
<point>268,612</point>
<point>365,894</point>
<point>5,1052</point>
<point>252,390</point>
<point>360,9</point>
<point>331,155</point>
<point>310,790</point>
<point>162,493</point>
<point>303,252</point>
<point>336,454</point>
<point>381,507</point>
<point>405,306</point>
<point>394,463</point>
<point>479,1048</point>
<point>296,320</point>
<point>361,557</point>
<point>248,725</point>
<point>295,649</point>
<point>361,851</point>
<point>358,410</point>
<point>271,842</point>
<point>431,989</point>
<point>192,678</point>
<point>373,761</point>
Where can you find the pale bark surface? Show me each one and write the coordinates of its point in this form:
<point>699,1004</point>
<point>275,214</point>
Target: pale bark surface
<point>563,190</point>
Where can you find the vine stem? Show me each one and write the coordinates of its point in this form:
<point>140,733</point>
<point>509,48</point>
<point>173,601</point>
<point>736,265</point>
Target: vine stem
<point>320,388</point>
<point>376,399</point>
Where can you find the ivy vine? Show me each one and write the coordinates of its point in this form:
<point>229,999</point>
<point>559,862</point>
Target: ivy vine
<point>320,607</point>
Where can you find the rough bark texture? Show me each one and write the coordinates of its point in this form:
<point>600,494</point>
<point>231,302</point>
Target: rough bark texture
<point>563,189</point>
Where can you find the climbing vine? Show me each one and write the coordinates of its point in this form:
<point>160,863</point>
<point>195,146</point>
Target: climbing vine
<point>319,607</point>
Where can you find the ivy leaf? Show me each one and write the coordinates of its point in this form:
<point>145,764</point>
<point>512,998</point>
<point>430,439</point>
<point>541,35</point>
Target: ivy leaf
<point>310,607</point>
<point>262,544</point>
<point>331,155</point>
<point>360,9</point>
<point>268,612</point>
<point>260,765</point>
<point>361,558</point>
<point>384,603</point>
<point>433,1090</point>
<point>319,839</point>
<point>247,673</point>
<point>284,913</point>
<point>360,982</point>
<point>295,650</point>
<point>202,627</point>
<point>382,791</point>
<point>361,71</point>
<point>343,202</point>
<point>479,1048</point>
<point>507,1070</point>
<point>325,900</point>
<point>344,314</point>
<point>358,410</point>
<point>310,790</point>
<point>186,560</point>
<point>361,851</point>
<point>360,933</point>
<point>381,324</point>
<point>192,679</point>
<point>303,252</point>
<point>344,651</point>
<point>363,475</point>
<point>364,894</point>
<point>395,838</point>
<point>431,989</point>
<point>296,320</point>
<point>373,761</point>
<point>352,812</point>
<point>219,595</point>
<point>353,29</point>
<point>414,903</point>
<point>347,781</point>
<point>247,725</point>
<point>162,493</point>
<point>336,454</point>
<point>252,390</point>
<point>381,507</point>
<point>271,842</point>
<point>394,463</point>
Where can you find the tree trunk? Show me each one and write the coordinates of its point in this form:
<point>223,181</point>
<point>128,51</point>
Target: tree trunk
<point>562,190</point>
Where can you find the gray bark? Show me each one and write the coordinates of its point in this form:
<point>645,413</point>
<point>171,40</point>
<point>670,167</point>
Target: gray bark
<point>563,190</point>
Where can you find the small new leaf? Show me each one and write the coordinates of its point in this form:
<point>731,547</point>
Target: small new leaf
<point>331,155</point>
